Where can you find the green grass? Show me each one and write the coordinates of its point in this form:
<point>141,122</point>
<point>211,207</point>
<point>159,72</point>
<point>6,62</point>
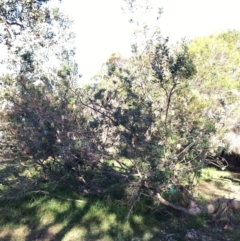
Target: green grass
<point>209,173</point>
<point>45,217</point>
<point>41,217</point>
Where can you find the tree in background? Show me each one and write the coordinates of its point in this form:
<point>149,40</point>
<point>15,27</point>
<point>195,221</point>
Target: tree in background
<point>37,90</point>
<point>16,17</point>
<point>217,60</point>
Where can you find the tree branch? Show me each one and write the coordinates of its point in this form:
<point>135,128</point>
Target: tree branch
<point>217,206</point>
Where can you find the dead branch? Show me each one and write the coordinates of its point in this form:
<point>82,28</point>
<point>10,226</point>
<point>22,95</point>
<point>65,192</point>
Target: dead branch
<point>217,206</point>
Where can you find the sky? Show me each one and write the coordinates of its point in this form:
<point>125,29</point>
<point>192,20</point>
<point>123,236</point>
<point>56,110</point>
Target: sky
<point>102,28</point>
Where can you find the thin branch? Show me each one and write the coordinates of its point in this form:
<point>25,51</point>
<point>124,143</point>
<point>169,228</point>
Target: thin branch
<point>15,23</point>
<point>57,196</point>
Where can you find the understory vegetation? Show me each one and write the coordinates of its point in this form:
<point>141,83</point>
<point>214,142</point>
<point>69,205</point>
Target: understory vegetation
<point>124,158</point>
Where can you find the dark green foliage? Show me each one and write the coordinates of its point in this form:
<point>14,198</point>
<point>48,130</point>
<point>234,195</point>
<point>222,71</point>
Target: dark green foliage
<point>179,65</point>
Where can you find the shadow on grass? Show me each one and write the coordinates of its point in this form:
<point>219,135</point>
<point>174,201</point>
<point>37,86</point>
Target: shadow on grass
<point>43,217</point>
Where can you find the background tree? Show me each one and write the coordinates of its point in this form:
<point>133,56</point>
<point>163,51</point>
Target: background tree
<point>217,60</point>
<point>37,91</point>
<point>15,18</point>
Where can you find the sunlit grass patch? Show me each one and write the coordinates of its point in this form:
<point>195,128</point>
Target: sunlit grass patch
<point>9,231</point>
<point>211,172</point>
<point>119,164</point>
<point>75,233</point>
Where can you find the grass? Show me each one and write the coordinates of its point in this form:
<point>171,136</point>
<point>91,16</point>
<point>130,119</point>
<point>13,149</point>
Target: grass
<point>210,172</point>
<point>44,217</point>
